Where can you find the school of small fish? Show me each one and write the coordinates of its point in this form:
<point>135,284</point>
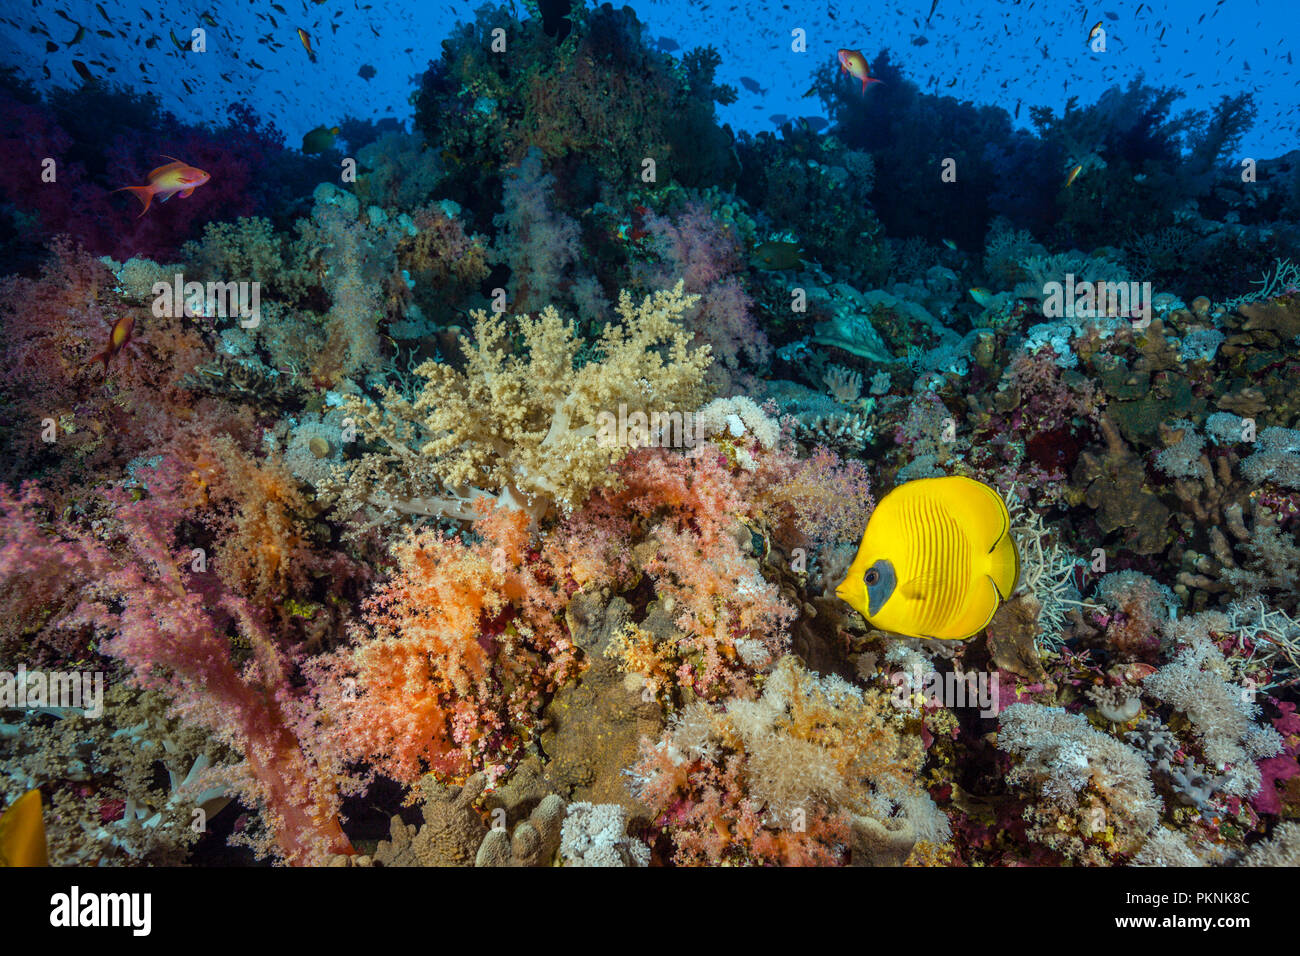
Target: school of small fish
<point>1020,55</point>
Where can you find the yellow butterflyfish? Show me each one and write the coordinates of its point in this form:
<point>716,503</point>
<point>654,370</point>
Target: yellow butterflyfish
<point>936,560</point>
<point>22,833</point>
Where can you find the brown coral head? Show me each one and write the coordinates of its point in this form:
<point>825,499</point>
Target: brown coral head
<point>319,447</point>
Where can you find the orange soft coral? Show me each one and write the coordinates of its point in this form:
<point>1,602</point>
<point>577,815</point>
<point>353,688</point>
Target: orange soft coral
<point>461,645</point>
<point>690,517</point>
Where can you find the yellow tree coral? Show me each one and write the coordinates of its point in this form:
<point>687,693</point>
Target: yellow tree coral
<point>524,427</point>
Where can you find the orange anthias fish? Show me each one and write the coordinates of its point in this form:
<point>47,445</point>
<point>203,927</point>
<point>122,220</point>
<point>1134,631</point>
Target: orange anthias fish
<point>306,43</point>
<point>167,181</point>
<point>22,833</point>
<point>117,339</point>
<point>854,63</point>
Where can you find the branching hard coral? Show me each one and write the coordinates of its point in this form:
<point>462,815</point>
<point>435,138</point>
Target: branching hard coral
<point>525,429</point>
<point>1274,634</point>
<point>1284,277</point>
<point>1115,480</point>
<point>1270,561</point>
<point>1249,545</point>
<point>462,644</point>
<point>778,779</point>
<point>1047,571</point>
<point>1041,271</point>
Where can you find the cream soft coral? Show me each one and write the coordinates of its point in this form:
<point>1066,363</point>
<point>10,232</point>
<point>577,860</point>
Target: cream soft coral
<point>523,427</point>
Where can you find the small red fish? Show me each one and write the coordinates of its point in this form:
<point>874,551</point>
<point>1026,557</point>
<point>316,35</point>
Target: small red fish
<point>855,64</point>
<point>117,339</point>
<point>167,181</point>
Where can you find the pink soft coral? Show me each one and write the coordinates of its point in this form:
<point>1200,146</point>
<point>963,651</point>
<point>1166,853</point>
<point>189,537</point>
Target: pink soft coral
<point>537,241</point>
<point>1276,771</point>
<point>173,627</point>
<point>706,255</point>
<point>685,514</point>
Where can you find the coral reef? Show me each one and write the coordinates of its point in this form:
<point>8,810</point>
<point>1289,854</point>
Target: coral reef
<point>476,491</point>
